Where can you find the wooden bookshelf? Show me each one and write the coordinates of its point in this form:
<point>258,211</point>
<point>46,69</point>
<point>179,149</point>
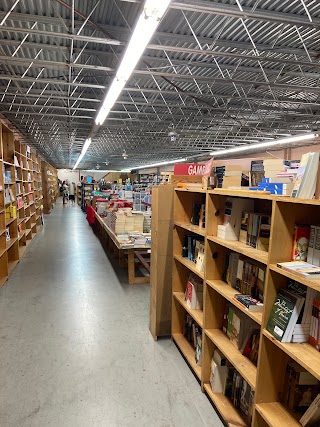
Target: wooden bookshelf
<point>50,186</point>
<point>20,199</point>
<point>267,380</point>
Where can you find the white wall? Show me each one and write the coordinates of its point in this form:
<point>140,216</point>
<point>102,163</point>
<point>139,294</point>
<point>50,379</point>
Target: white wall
<point>69,174</point>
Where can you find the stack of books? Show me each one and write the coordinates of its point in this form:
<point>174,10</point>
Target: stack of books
<point>231,176</point>
<point>230,229</point>
<point>306,179</point>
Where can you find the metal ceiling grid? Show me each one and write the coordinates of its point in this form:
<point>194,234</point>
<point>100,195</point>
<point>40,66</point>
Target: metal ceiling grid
<point>221,73</point>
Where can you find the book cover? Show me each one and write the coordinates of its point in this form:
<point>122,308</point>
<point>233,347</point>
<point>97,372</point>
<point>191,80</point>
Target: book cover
<point>249,303</point>
<point>284,314</point>
<point>305,182</point>
<point>300,242</point>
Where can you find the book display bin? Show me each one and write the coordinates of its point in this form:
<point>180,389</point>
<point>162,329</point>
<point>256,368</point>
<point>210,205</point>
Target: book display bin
<point>21,200</point>
<point>268,378</point>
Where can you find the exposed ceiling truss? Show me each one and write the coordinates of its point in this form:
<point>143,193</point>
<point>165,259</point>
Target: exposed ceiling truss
<point>220,73</point>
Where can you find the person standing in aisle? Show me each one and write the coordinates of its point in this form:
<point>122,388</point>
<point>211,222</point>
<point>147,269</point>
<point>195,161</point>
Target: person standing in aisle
<point>72,190</point>
<point>65,192</point>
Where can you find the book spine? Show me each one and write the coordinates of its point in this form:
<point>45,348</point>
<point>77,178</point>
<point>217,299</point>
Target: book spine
<point>311,244</point>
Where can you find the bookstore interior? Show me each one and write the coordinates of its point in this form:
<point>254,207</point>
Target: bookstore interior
<point>196,166</point>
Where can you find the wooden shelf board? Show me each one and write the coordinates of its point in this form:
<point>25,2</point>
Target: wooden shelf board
<point>11,265</point>
<point>242,364</point>
<point>242,193</point>
<point>241,248</point>
<point>20,221</point>
<point>9,221</point>
<point>225,407</point>
<point>288,199</point>
<point>192,190</point>
<point>21,235</point>
<point>190,227</point>
<point>303,353</point>
<point>2,231</point>
<point>9,183</point>
<point>314,283</point>
<point>188,351</point>
<point>276,415</point>
<point>11,242</point>
<point>228,293</point>
<point>197,315</point>
<point>189,264</point>
<point>28,232</point>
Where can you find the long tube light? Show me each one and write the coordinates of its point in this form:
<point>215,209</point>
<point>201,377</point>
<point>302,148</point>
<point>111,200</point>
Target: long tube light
<point>85,147</point>
<point>170,162</point>
<point>148,22</point>
<point>266,144</point>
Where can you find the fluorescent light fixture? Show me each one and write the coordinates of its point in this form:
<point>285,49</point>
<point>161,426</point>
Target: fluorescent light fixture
<point>170,162</point>
<point>148,22</point>
<point>267,144</point>
<point>85,147</point>
<point>99,170</point>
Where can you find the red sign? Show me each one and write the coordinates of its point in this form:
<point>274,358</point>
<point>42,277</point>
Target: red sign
<point>193,168</point>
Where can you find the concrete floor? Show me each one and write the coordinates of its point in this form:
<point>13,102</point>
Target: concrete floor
<point>75,349</point>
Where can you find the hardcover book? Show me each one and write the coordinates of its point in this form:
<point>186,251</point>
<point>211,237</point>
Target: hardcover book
<point>284,315</point>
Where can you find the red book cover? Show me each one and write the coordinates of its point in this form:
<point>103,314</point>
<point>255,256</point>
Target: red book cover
<point>300,242</point>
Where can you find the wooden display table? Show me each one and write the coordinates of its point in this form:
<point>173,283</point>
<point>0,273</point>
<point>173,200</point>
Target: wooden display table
<point>135,254</point>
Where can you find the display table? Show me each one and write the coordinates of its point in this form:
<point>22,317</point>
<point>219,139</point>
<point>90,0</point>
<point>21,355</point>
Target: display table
<point>135,254</point>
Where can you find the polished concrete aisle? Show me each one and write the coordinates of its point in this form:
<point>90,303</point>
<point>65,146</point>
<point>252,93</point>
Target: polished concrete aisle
<point>75,350</point>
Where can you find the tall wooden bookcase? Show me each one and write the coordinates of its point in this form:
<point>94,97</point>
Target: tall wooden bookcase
<point>267,380</point>
<point>21,213</point>
<point>50,186</point>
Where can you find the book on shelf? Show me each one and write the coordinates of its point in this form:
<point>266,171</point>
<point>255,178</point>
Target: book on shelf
<point>194,292</point>
<point>245,275</point>
<point>316,247</point>
<point>314,334</point>
<point>250,345</point>
<point>191,247</point>
<point>301,388</point>
<point>241,395</point>
<point>237,325</point>
<point>301,238</point>
<point>234,207</point>
<point>311,418</point>
<point>8,234</point>
<point>301,268</point>
<point>195,217</point>
<point>306,179</point>
<point>302,328</point>
<point>251,304</point>
<point>311,244</point>
<point>192,333</point>
<point>284,315</point>
<point>219,372</point>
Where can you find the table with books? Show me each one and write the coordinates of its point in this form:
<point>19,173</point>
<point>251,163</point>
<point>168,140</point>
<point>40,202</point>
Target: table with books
<point>133,247</point>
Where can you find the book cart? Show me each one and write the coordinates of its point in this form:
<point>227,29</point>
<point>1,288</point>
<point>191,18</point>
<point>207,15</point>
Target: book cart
<point>50,186</point>
<point>268,378</point>
<point>20,200</point>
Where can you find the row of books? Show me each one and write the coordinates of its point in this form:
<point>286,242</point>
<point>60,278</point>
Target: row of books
<point>242,331</point>
<point>194,292</point>
<point>301,388</point>
<point>193,249</point>
<point>193,334</point>
<point>198,214</point>
<point>245,275</point>
<point>295,179</point>
<point>294,310</point>
<point>225,379</point>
